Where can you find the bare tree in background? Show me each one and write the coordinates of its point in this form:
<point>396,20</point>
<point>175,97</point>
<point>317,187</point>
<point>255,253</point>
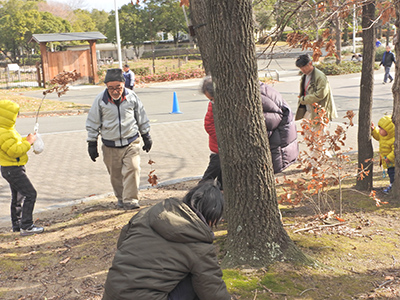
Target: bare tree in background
<point>396,106</point>
<point>365,149</point>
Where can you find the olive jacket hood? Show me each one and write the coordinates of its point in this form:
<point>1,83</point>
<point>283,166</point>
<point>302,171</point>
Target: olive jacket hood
<point>159,247</point>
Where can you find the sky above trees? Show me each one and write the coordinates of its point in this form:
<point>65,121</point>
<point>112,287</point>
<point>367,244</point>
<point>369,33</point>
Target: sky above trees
<point>107,5</point>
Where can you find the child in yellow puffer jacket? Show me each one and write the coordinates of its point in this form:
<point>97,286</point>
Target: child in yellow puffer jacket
<point>384,133</point>
<point>13,157</point>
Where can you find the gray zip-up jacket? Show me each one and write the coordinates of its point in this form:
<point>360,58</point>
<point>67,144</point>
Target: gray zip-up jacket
<point>118,125</point>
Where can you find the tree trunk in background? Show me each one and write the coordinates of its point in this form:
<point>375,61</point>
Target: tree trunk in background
<point>198,16</point>
<point>365,150</point>
<point>396,110</point>
<point>338,37</point>
<point>346,33</point>
<point>387,34</point>
<point>256,236</point>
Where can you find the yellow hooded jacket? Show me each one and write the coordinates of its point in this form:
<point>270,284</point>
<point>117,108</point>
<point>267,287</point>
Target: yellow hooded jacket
<point>386,143</point>
<point>13,147</point>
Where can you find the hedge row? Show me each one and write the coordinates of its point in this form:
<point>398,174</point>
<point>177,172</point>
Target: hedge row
<point>169,76</point>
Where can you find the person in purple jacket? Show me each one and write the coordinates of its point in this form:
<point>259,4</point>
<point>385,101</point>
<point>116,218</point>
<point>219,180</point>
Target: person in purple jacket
<point>281,128</point>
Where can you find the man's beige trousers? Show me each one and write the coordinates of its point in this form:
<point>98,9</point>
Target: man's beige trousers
<point>123,165</point>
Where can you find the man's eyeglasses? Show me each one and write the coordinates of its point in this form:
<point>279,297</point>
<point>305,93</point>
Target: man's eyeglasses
<point>117,89</point>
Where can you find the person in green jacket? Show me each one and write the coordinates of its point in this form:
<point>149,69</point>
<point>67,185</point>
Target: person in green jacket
<point>166,251</point>
<point>314,88</point>
<point>13,157</point>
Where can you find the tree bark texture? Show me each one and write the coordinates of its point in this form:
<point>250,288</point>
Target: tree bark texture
<point>396,108</point>
<point>198,16</point>
<point>365,150</point>
<point>256,236</point>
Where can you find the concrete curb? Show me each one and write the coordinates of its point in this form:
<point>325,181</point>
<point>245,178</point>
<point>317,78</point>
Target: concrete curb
<point>5,220</point>
<point>67,111</point>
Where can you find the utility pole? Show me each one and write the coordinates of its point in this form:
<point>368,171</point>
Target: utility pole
<point>354,28</point>
<point>118,36</point>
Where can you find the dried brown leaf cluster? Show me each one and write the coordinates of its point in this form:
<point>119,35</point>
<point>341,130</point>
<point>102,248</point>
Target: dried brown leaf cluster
<point>297,38</point>
<point>152,177</point>
<point>322,163</point>
<point>387,11</point>
<point>378,201</point>
<point>60,82</point>
<point>184,3</point>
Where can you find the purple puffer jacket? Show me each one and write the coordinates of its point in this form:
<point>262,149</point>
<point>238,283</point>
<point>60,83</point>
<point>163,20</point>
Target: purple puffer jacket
<point>282,132</point>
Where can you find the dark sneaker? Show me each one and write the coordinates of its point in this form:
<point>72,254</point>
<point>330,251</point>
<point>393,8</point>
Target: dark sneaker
<point>387,190</point>
<point>16,226</point>
<point>31,230</point>
<point>391,80</point>
<point>120,204</point>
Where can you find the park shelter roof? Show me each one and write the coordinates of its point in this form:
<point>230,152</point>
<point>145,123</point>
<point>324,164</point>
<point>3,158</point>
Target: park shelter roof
<point>66,37</point>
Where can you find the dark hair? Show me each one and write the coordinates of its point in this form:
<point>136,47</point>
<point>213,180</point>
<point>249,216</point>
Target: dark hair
<point>207,86</point>
<point>126,66</point>
<point>303,60</point>
<point>207,199</point>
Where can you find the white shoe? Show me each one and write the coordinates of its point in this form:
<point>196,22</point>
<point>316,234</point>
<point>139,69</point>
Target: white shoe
<point>31,230</point>
<point>134,204</point>
<point>129,205</point>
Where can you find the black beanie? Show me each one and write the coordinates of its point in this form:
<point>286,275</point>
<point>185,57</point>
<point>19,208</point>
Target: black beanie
<point>114,75</point>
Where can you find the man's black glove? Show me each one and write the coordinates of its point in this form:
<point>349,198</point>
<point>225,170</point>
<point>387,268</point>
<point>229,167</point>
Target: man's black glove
<point>92,149</point>
<point>147,142</point>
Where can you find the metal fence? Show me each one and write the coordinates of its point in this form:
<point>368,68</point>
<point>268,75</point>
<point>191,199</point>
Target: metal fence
<point>26,76</point>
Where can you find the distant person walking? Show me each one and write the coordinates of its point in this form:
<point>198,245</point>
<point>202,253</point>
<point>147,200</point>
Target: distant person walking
<point>129,77</point>
<point>314,88</point>
<point>13,158</point>
<point>387,60</point>
<point>378,43</point>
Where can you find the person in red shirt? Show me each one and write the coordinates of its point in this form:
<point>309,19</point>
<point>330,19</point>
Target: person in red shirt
<point>281,130</point>
<point>213,170</point>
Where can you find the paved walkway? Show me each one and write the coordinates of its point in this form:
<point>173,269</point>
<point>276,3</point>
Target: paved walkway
<point>68,176</point>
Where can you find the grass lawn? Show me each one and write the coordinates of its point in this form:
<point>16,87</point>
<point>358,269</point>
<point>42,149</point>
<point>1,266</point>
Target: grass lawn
<point>30,104</point>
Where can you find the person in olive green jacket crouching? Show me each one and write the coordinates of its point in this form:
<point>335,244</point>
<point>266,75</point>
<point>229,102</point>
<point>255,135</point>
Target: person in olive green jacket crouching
<point>166,252</point>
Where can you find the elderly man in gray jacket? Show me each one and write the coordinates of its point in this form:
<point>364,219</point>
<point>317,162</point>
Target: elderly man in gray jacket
<point>119,117</point>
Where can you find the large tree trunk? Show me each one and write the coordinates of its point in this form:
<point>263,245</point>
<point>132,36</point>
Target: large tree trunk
<point>365,150</point>
<point>198,15</point>
<point>396,104</point>
<point>256,236</point>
